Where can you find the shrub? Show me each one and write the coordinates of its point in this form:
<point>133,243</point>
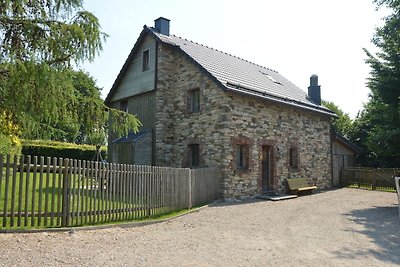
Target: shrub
<point>9,141</point>
<point>10,146</point>
<point>60,149</point>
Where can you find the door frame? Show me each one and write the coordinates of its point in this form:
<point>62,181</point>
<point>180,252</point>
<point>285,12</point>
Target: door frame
<point>272,170</point>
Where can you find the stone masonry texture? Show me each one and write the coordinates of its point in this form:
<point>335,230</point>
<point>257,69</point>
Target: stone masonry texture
<point>225,117</point>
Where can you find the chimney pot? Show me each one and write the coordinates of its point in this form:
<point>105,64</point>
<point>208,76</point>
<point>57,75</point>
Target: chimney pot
<point>314,80</point>
<point>314,90</point>
<point>162,25</point>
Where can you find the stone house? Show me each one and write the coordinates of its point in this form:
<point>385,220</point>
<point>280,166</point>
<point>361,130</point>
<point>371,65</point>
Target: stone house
<point>202,107</point>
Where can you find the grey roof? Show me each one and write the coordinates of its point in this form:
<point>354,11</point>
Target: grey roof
<point>235,74</point>
<point>242,76</point>
<point>132,137</point>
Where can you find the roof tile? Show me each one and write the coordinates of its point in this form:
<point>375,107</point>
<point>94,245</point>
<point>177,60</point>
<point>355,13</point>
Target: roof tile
<point>236,73</point>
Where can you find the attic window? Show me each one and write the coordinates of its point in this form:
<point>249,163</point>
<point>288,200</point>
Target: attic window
<point>270,77</point>
<point>146,60</point>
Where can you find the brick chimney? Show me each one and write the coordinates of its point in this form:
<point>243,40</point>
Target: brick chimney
<point>314,90</point>
<point>162,25</point>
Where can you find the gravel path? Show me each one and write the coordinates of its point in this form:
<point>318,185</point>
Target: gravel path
<point>345,227</point>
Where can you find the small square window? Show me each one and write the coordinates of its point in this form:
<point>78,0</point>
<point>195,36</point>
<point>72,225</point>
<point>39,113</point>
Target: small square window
<point>194,155</point>
<point>123,105</point>
<point>146,57</point>
<point>293,157</point>
<point>195,100</point>
<point>242,157</point>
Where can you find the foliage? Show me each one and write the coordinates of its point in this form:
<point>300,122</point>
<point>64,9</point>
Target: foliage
<point>377,128</point>
<point>48,31</point>
<point>40,41</point>
<point>343,122</point>
<point>85,120</point>
<point>60,149</point>
<point>9,141</point>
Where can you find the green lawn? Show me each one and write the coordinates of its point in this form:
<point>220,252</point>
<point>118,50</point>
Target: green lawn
<point>37,201</point>
<point>369,187</point>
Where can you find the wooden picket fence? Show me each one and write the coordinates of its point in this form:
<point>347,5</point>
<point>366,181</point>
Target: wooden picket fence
<point>55,192</point>
<point>369,178</point>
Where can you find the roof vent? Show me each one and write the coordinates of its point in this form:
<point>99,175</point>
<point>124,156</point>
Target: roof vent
<point>162,25</point>
<point>314,90</point>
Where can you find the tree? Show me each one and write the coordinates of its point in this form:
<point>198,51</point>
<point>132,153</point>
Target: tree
<point>343,123</point>
<point>40,42</point>
<point>379,124</point>
<point>86,120</point>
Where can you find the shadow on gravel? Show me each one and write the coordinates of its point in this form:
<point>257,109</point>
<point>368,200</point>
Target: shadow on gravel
<point>382,226</point>
<point>233,202</point>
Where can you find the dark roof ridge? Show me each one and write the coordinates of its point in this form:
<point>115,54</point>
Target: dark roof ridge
<point>209,47</point>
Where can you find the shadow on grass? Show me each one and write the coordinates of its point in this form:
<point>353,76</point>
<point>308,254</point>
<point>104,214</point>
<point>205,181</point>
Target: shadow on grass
<point>382,226</point>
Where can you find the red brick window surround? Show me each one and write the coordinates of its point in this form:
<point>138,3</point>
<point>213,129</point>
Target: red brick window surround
<point>241,154</point>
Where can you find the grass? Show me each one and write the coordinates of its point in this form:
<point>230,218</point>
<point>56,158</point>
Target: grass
<point>369,187</point>
<point>41,196</point>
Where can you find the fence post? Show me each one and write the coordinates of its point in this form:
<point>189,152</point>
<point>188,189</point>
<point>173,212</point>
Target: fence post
<point>373,179</point>
<point>190,189</point>
<point>65,202</point>
<point>341,181</point>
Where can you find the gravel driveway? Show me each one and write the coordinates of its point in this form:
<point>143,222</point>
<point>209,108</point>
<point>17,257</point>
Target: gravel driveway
<point>345,227</point>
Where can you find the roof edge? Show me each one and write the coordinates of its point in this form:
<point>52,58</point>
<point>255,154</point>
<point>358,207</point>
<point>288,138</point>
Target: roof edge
<point>284,101</point>
<point>124,68</point>
<point>338,136</point>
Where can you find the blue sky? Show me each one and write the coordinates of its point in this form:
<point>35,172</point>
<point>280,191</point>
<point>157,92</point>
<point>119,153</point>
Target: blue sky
<point>295,38</point>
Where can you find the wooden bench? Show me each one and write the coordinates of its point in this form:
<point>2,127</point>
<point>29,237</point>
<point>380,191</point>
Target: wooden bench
<point>299,186</point>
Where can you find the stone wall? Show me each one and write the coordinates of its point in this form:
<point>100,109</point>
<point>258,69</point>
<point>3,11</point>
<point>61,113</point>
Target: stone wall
<point>225,118</point>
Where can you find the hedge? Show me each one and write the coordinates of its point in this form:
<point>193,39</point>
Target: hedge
<point>60,150</point>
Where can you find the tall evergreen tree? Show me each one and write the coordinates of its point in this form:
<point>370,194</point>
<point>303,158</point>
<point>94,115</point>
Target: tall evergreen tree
<point>380,121</point>
<point>40,41</point>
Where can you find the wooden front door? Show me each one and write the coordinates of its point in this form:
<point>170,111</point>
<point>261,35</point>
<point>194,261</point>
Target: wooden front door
<point>266,169</point>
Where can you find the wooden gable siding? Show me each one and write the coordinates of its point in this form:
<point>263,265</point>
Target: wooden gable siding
<point>135,80</point>
<point>143,150</point>
<point>142,105</point>
<point>122,153</point>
